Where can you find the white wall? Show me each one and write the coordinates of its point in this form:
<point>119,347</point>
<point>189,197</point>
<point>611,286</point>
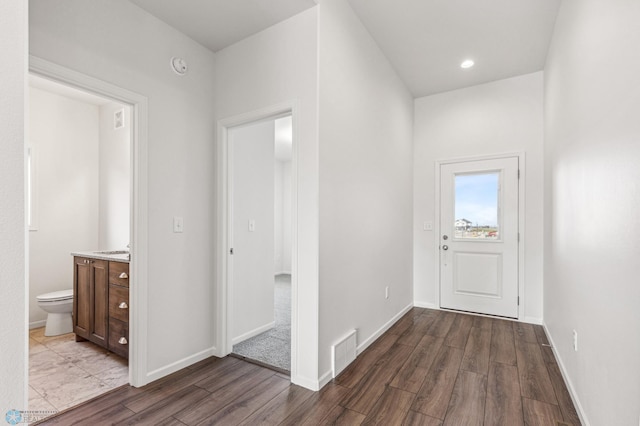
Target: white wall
<point>274,66</point>
<point>495,118</point>
<point>365,183</point>
<point>13,263</point>
<point>123,45</point>
<point>252,150</point>
<point>592,147</point>
<point>65,134</point>
<point>115,176</point>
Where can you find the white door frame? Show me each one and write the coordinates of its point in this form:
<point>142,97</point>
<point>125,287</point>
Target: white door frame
<point>138,320</point>
<point>521,221</point>
<point>224,291</point>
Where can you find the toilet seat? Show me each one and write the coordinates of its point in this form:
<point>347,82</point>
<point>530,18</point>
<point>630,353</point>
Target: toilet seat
<point>56,296</point>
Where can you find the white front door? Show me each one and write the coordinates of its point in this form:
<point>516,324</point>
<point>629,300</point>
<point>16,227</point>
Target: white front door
<point>479,236</point>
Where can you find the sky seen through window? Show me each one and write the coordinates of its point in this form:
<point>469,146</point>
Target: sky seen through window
<point>476,198</point>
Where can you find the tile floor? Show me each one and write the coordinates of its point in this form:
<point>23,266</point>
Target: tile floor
<point>64,373</point>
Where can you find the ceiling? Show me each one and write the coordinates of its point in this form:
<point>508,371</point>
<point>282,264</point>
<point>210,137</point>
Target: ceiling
<point>425,40</point>
<point>217,24</point>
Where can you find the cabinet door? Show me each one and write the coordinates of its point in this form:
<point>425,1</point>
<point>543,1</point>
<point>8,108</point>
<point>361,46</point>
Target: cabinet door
<point>100,299</point>
<point>82,297</point>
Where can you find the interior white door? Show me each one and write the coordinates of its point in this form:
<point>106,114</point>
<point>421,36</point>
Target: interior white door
<point>479,236</point>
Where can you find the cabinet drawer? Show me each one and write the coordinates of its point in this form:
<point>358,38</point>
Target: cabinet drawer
<point>119,337</point>
<point>119,273</point>
<point>119,302</point>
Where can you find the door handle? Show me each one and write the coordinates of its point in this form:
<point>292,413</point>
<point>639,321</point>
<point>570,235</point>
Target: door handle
<point>445,247</point>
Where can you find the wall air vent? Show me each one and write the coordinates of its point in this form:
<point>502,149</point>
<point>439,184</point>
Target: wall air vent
<point>343,353</point>
<point>118,119</point>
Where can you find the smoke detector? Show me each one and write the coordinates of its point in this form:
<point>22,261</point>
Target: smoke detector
<point>179,65</point>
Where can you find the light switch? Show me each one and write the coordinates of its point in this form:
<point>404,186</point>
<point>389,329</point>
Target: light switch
<point>252,225</point>
<point>178,225</point>
<point>427,226</point>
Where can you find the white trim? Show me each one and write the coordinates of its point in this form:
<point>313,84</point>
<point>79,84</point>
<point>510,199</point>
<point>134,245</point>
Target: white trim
<point>365,344</point>
<point>223,293</point>
<point>425,305</point>
<point>37,324</point>
<point>253,333</point>
<point>32,193</point>
<point>567,380</point>
<point>161,372</point>
<point>521,220</point>
<point>324,379</point>
<point>533,320</point>
<point>311,384</point>
<point>138,349</point>
<point>522,264</point>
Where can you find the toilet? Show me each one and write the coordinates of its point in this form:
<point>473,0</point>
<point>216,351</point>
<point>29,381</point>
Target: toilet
<point>58,306</point>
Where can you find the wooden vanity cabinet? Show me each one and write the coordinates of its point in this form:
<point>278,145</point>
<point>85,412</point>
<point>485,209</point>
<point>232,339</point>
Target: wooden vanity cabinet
<point>101,303</point>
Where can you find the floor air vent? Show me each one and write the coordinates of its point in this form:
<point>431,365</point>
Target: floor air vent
<point>343,353</point>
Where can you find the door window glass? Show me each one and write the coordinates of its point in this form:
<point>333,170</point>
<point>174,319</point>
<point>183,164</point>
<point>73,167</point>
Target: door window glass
<point>477,206</point>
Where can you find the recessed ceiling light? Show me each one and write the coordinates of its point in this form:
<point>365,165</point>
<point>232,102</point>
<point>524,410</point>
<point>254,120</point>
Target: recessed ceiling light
<point>467,64</point>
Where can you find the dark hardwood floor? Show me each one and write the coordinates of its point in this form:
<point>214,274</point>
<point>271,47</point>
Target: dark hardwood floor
<point>430,368</point>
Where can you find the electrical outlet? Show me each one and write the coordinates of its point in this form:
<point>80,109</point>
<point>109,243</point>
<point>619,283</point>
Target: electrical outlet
<point>386,292</point>
<point>575,340</point>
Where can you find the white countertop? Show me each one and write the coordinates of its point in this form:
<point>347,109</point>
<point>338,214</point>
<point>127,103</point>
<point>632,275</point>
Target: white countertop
<point>102,255</point>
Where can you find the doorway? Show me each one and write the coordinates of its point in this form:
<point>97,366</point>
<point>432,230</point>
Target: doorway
<point>79,194</point>
<point>137,344</point>
<point>260,235</point>
<point>479,236</point>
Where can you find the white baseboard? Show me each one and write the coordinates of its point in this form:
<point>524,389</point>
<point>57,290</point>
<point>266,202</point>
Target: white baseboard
<point>369,340</point>
<point>253,333</point>
<point>324,379</point>
<point>37,324</point>
<point>567,380</point>
<point>533,320</point>
<point>313,385</point>
<point>179,365</point>
<point>426,305</point>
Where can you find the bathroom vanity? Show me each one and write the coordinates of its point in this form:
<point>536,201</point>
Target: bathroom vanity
<point>101,299</point>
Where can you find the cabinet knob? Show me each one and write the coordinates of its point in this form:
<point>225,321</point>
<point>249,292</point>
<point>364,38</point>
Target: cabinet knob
<point>123,341</point>
<point>123,305</point>
<point>123,275</point>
